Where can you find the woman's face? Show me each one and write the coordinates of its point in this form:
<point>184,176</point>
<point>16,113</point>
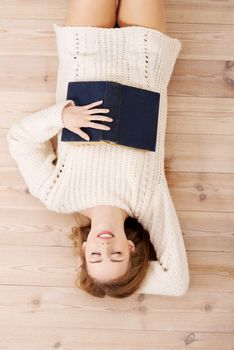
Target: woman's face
<point>107,258</point>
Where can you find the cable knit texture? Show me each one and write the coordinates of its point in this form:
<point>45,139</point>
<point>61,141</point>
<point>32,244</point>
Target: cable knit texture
<point>82,176</point>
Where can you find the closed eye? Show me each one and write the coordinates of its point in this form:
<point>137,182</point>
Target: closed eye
<point>111,253</point>
<point>97,261</point>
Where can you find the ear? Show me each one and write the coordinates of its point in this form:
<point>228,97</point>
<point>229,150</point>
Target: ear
<point>131,245</point>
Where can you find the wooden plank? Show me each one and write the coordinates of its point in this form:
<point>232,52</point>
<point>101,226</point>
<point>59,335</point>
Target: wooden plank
<point>202,231</point>
<point>190,191</point>
<point>37,265</point>
<point>33,10</point>
<point>195,11</point>
<point>190,115</point>
<point>200,123</point>
<point>200,116</point>
<point>199,153</point>
<point>203,41</point>
<point>73,338</point>
<point>191,152</point>
<point>15,105</point>
<point>35,226</point>
<point>199,41</point>
<point>138,312</point>
<point>200,104</point>
<point>56,266</point>
<point>188,11</point>
<point>35,74</point>
<point>19,198</point>
<point>198,78</point>
<point>29,261</point>
<point>207,231</point>
<point>28,38</point>
<point>197,301</point>
<point>202,192</point>
<point>202,78</point>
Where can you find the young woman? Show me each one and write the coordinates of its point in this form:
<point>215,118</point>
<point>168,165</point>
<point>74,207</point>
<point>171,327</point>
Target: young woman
<point>129,238</point>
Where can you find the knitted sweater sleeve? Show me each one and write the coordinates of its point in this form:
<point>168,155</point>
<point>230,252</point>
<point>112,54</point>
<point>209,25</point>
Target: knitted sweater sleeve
<point>30,146</point>
<point>169,275</point>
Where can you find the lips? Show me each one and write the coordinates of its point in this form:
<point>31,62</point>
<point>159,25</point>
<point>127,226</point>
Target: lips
<point>105,234</point>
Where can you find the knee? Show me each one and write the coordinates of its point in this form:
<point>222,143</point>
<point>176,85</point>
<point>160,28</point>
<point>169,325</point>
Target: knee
<point>121,23</point>
<point>107,24</point>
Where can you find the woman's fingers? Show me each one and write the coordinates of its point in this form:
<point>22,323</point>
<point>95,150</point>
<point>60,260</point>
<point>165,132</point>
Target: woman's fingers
<point>100,117</point>
<point>97,110</point>
<point>80,133</point>
<point>90,105</point>
<point>85,114</point>
<point>97,126</point>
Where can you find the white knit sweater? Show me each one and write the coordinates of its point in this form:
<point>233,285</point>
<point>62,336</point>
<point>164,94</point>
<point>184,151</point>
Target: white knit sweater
<point>82,176</point>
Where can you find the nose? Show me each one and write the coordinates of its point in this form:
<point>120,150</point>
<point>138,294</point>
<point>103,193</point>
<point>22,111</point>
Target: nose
<point>106,246</point>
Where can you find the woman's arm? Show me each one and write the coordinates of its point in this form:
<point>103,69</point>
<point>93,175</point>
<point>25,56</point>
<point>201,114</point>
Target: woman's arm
<point>30,146</point>
<point>170,274</point>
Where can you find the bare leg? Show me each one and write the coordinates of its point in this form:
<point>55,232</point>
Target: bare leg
<point>95,13</point>
<point>146,13</point>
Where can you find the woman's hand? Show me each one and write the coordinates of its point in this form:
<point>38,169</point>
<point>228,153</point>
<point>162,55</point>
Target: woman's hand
<point>75,117</point>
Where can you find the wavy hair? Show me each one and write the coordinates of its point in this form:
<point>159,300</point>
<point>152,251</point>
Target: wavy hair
<point>128,283</point>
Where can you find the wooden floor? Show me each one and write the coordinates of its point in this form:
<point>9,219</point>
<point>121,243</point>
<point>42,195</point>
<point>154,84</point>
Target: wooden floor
<point>40,308</point>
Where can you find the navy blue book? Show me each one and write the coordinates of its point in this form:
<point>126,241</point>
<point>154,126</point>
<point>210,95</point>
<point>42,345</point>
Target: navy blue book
<point>134,112</point>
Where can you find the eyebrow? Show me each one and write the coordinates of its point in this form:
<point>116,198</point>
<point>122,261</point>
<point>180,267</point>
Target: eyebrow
<point>98,261</point>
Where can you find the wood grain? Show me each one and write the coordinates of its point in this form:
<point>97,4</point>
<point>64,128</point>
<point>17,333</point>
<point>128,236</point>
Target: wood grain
<point>40,306</point>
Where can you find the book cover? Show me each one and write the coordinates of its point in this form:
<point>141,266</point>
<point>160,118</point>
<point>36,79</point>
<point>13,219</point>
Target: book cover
<point>134,112</point>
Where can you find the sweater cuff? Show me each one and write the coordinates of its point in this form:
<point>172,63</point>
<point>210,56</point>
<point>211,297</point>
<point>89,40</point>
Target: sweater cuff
<point>56,117</point>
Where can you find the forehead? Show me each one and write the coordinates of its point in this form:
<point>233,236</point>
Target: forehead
<point>108,269</point>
